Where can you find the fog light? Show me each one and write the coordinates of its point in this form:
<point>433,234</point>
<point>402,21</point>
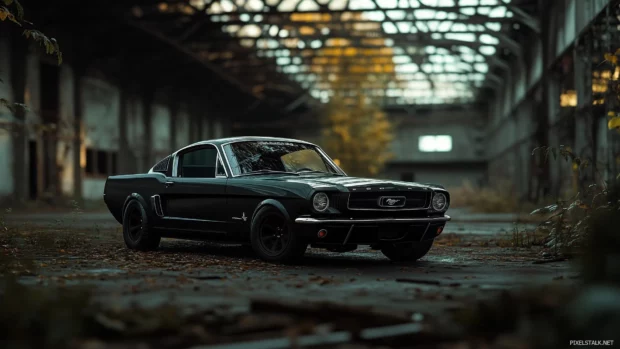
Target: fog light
<point>439,230</point>
<point>322,233</point>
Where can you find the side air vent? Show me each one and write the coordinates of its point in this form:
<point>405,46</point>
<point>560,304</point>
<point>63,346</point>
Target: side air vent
<point>162,166</point>
<point>156,202</point>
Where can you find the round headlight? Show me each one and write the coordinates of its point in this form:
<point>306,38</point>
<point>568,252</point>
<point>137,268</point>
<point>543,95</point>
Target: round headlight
<point>320,202</point>
<point>439,201</point>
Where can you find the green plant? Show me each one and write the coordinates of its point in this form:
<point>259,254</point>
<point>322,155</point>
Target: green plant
<point>3,226</point>
<point>76,210</point>
<point>13,12</point>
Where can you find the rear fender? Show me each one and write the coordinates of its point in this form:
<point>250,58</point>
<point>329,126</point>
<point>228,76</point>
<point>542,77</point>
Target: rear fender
<point>139,198</point>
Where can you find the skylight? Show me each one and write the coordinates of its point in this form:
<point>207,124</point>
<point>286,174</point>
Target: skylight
<point>402,51</point>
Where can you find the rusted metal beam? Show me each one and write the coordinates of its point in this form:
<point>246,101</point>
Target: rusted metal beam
<point>233,81</point>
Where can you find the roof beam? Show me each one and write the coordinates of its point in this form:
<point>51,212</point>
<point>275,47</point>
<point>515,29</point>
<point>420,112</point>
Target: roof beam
<point>191,54</point>
<point>296,103</point>
<point>525,18</point>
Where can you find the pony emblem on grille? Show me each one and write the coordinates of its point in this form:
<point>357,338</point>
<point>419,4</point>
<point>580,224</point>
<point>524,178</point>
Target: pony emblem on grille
<point>392,201</point>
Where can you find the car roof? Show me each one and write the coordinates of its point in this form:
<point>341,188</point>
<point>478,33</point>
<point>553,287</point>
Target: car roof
<point>222,141</point>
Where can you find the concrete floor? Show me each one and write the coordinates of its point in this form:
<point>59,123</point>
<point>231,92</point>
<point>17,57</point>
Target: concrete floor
<point>466,264</point>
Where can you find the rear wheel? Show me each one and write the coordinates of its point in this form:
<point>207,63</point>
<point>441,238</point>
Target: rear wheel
<point>407,252</point>
<point>136,230</point>
<point>272,238</point>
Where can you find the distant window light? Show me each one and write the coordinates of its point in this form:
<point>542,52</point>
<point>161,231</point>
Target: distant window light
<point>435,143</point>
<point>569,98</point>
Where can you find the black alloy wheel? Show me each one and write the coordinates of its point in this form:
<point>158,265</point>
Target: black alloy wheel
<point>274,235</point>
<point>272,238</point>
<point>136,229</point>
<point>135,224</point>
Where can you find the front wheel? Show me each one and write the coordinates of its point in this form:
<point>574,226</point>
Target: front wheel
<point>407,252</point>
<point>272,238</point>
<point>136,230</point>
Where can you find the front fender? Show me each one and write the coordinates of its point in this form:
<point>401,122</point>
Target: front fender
<point>275,203</point>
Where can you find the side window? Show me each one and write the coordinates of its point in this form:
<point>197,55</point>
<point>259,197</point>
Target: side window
<point>199,163</point>
<point>219,168</point>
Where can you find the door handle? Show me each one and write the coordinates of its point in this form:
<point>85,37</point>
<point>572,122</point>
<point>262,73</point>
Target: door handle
<point>168,184</point>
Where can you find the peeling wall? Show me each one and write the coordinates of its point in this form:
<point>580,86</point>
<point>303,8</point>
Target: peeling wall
<point>6,146</point>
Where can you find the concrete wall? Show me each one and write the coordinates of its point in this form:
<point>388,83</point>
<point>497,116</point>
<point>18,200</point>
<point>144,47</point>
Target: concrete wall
<point>466,145</point>
<point>465,162</point>
<point>449,175</point>
<point>101,103</point>
<point>514,112</point>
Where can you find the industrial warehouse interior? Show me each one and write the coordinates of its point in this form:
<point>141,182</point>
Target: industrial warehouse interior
<point>509,108</point>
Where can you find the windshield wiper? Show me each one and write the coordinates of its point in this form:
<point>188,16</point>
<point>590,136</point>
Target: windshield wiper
<point>269,172</point>
<point>317,171</point>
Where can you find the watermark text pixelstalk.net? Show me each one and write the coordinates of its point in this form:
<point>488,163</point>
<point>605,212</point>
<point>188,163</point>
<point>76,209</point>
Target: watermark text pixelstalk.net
<point>592,342</point>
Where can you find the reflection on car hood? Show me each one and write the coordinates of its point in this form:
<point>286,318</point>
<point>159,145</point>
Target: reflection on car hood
<point>349,182</point>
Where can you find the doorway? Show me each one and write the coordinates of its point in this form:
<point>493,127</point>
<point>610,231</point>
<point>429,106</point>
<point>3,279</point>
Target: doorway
<point>32,170</point>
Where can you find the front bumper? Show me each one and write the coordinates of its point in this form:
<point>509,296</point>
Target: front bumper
<point>367,231</point>
<point>310,220</point>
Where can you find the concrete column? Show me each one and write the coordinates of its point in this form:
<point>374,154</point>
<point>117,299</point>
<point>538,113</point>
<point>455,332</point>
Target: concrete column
<point>174,106</point>
<point>199,116</point>
<point>79,70</point>
<point>148,96</point>
<point>542,127</point>
<point>583,85</point>
<point>18,53</point>
<point>123,158</point>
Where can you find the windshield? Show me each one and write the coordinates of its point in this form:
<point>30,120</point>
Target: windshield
<point>268,157</point>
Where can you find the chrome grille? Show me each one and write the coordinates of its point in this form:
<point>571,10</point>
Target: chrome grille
<point>370,200</point>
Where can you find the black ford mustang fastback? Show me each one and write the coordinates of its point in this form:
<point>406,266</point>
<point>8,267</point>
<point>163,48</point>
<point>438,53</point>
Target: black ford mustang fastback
<point>278,195</point>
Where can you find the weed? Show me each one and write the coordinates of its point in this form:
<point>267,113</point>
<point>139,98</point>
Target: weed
<point>520,237</point>
<point>76,210</point>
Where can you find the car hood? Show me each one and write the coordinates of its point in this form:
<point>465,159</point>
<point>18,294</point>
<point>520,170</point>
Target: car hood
<point>349,183</point>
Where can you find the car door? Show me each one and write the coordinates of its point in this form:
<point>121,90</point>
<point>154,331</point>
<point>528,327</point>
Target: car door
<point>194,196</point>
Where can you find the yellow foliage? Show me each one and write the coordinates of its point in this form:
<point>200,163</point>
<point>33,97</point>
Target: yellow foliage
<point>6,14</point>
<point>358,133</point>
<point>614,123</point>
<point>613,59</point>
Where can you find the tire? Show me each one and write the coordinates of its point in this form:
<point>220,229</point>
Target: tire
<point>272,238</point>
<point>407,252</point>
<point>136,230</point>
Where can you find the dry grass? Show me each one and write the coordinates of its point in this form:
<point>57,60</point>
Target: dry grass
<point>499,198</point>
